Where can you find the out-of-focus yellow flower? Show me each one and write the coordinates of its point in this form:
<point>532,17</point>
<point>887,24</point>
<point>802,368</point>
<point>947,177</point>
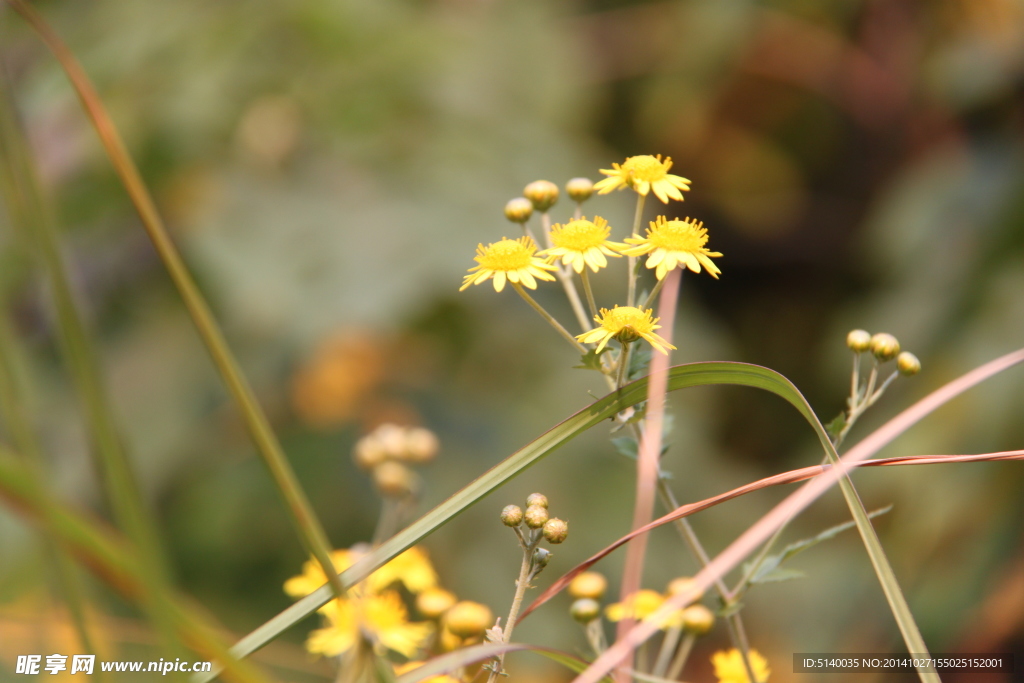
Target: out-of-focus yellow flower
<point>383,617</point>
<point>675,242</point>
<point>644,173</point>
<point>641,605</point>
<point>582,243</point>
<point>412,569</point>
<point>513,260</point>
<point>334,384</point>
<point>625,323</point>
<point>729,666</point>
<point>412,666</point>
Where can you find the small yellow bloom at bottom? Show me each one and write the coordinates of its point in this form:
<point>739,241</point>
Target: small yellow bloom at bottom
<point>626,323</point>
<point>383,617</point>
<point>729,666</point>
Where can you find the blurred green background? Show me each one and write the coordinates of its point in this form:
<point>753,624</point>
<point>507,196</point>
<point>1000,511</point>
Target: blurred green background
<point>328,168</point>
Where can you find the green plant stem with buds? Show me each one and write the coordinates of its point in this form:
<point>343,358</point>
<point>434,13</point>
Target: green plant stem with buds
<point>528,570</point>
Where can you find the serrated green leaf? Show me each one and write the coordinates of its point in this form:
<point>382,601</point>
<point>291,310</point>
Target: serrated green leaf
<point>836,425</point>
<point>591,360</point>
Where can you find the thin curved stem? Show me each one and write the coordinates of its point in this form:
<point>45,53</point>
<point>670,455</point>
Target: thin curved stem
<point>631,260</point>
<point>550,318</point>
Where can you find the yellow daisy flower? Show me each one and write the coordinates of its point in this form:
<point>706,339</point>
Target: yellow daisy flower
<point>644,173</point>
<point>383,617</point>
<point>511,259</point>
<point>641,605</point>
<point>625,323</point>
<point>729,666</point>
<point>582,243</point>
<point>675,242</point>
<point>412,569</point>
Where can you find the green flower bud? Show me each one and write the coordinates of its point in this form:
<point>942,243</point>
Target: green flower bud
<point>537,499</point>
<point>542,193</point>
<point>585,610</point>
<point>884,346</point>
<point>512,515</point>
<point>908,364</point>
<point>579,189</point>
<point>541,557</point>
<point>519,210</point>
<point>858,340</point>
<point>556,530</point>
<point>536,516</point>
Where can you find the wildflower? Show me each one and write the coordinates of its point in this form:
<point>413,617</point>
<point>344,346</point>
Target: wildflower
<point>641,605</point>
<point>729,667</point>
<point>644,173</point>
<point>582,243</point>
<point>383,617</point>
<point>625,323</point>
<point>674,242</point>
<point>511,259</point>
<point>412,569</point>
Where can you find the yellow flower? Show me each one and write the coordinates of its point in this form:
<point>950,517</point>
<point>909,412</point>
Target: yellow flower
<point>729,667</point>
<point>412,568</point>
<point>644,173</point>
<point>582,243</point>
<point>674,242</point>
<point>641,605</point>
<point>625,323</point>
<point>511,259</point>
<point>412,666</point>
<point>383,617</point>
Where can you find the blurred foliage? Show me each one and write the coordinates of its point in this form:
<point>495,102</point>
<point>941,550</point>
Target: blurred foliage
<point>328,168</point>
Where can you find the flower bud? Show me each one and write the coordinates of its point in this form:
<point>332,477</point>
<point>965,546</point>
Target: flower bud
<point>542,193</point>
<point>512,515</point>
<point>588,585</point>
<point>394,479</point>
<point>537,499</point>
<point>368,453</point>
<point>556,530</point>
<point>541,557</point>
<point>908,364</point>
<point>467,619</point>
<point>698,619</point>
<point>682,584</point>
<point>536,516</point>
<point>884,346</point>
<point>391,438</point>
<point>433,602</point>
<point>858,340</point>
<point>421,445</point>
<point>579,189</point>
<point>585,610</point>
<point>519,210</point>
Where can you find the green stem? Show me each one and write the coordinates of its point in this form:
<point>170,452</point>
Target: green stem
<point>649,303</point>
<point>585,277</point>
<point>682,655</point>
<point>668,648</point>
<point>522,583</point>
<point>305,520</point>
<point>564,275</point>
<point>623,367</point>
<point>631,260</point>
<point>547,316</point>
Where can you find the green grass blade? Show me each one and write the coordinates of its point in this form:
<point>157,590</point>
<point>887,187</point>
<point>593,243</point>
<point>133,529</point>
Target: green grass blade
<point>306,522</point>
<point>110,557</point>
<point>680,377</point>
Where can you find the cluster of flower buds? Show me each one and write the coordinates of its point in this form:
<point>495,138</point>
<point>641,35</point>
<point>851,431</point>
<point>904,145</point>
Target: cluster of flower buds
<point>589,587</point>
<point>536,517</point>
<point>387,453</point>
<point>884,347</point>
<point>541,195</point>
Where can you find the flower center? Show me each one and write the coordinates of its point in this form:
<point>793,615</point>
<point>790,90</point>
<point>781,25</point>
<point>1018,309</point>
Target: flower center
<point>646,168</point>
<point>579,235</point>
<point>622,317</point>
<point>507,255</point>
<point>678,236</point>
